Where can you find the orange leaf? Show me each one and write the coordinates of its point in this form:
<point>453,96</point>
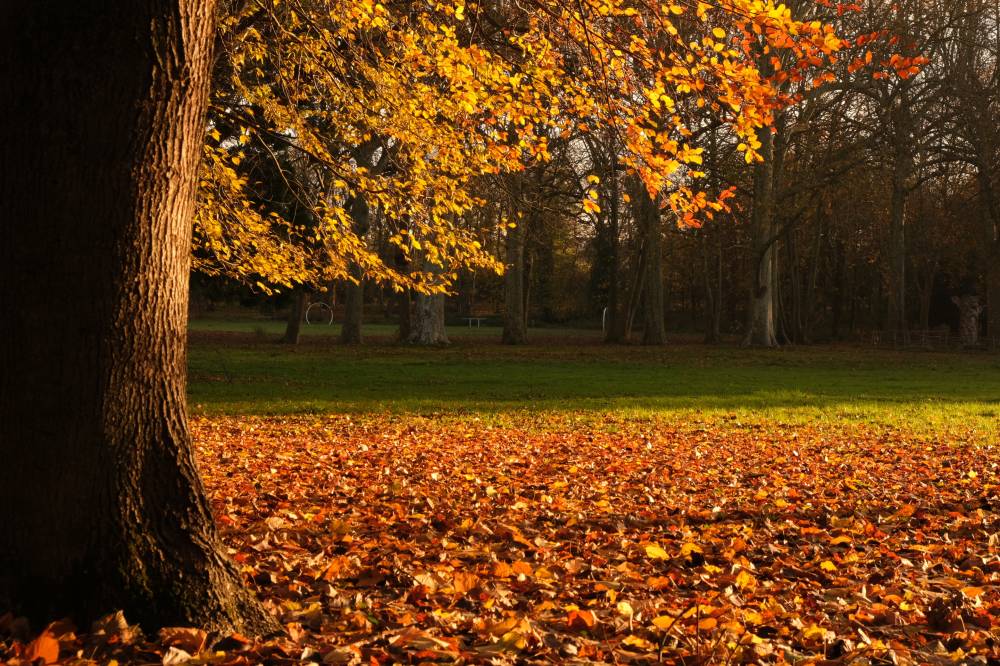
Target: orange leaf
<point>44,647</point>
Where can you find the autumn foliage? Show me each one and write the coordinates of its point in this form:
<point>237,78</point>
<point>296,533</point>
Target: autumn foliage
<point>409,540</point>
<point>406,106</point>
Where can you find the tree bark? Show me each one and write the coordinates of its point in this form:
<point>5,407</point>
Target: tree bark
<point>902,172</point>
<point>101,506</point>
<point>896,319</point>
<point>616,319</point>
<point>354,309</point>
<point>354,290</point>
<point>515,330</point>
<point>293,329</point>
<point>428,321</point>
<point>403,303</point>
<point>648,216</point>
<point>761,322</point>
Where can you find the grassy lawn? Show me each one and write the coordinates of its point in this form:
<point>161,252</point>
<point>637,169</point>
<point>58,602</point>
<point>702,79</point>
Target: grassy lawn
<point>237,368</point>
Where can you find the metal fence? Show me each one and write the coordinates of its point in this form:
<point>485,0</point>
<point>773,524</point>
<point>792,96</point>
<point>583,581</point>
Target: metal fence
<point>940,339</point>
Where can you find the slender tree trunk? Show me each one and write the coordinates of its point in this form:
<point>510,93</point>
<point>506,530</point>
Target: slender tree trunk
<point>809,310</point>
<point>634,294</point>
<point>648,216</point>
<point>761,325</point>
<point>403,303</point>
<point>515,330</point>
<point>616,321</point>
<point>354,290</point>
<point>712,268</point>
<point>896,319</point>
<point>297,313</point>
<point>839,288</point>
<point>101,506</point>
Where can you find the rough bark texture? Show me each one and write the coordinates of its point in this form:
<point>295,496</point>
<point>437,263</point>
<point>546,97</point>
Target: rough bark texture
<point>101,506</point>
<point>293,329</point>
<point>761,320</point>
<point>427,322</point>
<point>515,330</point>
<point>427,327</point>
<point>654,330</point>
<point>354,309</point>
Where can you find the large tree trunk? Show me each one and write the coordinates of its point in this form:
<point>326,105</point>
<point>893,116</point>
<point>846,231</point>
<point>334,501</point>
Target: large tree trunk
<point>515,329</point>
<point>293,328</point>
<point>427,327</point>
<point>354,309</point>
<point>648,217</point>
<point>761,321</point>
<point>101,506</point>
<point>427,323</point>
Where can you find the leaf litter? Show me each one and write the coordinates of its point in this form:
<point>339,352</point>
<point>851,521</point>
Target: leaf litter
<point>430,540</point>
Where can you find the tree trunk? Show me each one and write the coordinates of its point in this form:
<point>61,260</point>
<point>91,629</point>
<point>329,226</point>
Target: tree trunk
<point>101,506</point>
<point>713,288</point>
<point>648,216</point>
<point>354,290</point>
<point>403,302</point>
<point>761,324</point>
<point>428,321</point>
<point>896,319</point>
<point>427,324</point>
<point>616,319</point>
<point>515,330</point>
<point>293,328</point>
<point>354,309</point>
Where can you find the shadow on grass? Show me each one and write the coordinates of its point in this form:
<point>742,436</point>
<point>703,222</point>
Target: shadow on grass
<point>240,374</point>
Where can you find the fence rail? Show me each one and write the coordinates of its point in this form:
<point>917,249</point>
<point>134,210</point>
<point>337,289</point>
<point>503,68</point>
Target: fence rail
<point>931,339</point>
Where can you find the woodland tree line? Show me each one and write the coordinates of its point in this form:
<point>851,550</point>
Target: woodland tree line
<point>873,208</point>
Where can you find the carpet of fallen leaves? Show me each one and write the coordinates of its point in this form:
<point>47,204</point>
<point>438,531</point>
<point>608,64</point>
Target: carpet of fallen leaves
<point>409,540</point>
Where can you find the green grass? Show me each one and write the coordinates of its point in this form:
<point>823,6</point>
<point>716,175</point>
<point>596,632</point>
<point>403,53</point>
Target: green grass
<point>562,373</point>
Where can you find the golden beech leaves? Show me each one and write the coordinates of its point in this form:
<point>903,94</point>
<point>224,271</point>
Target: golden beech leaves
<point>403,108</point>
<point>570,538</point>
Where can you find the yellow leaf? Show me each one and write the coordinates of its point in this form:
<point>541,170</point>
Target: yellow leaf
<point>663,622</point>
<point>655,552</point>
<point>745,580</point>
<point>639,642</point>
<point>689,548</point>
